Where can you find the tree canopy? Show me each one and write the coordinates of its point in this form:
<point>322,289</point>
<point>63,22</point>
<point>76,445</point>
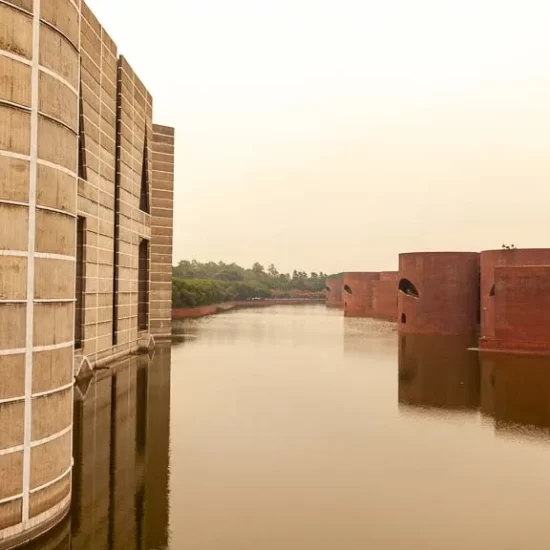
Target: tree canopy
<point>198,284</point>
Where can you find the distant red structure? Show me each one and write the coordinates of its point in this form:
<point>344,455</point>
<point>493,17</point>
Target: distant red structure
<point>489,261</point>
<point>438,293</point>
<point>385,296</point>
<point>358,294</point>
<point>333,290</point>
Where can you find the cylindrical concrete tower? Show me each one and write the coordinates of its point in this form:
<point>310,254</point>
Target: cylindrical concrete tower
<point>333,290</point>
<point>489,260</point>
<point>438,292</point>
<point>358,293</point>
<point>39,68</point>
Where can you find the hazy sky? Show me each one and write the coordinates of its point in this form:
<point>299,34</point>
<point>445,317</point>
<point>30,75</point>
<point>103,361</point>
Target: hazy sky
<point>332,134</point>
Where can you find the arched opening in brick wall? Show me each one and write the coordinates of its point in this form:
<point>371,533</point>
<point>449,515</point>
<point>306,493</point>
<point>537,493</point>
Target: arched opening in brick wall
<point>408,288</point>
<point>403,319</point>
<point>347,288</point>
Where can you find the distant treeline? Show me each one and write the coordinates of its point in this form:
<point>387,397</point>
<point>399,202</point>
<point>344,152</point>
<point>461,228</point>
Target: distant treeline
<point>198,284</point>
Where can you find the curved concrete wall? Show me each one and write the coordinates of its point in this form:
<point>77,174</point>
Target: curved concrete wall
<point>491,259</point>
<point>447,284</point>
<point>39,64</point>
<point>357,293</point>
<point>333,292</point>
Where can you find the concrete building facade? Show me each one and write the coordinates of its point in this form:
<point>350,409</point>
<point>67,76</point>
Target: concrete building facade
<point>438,293</point>
<point>162,232</point>
<point>76,190</point>
<point>334,290</point>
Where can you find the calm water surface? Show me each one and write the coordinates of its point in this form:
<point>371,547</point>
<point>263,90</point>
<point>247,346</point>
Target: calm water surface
<point>293,428</point>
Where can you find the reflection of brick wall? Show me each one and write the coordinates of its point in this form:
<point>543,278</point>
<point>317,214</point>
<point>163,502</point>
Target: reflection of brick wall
<point>448,288</point>
<point>333,293</point>
<point>489,260</point>
<point>516,389</point>
<point>438,371</point>
<point>522,308</point>
<point>360,301</point>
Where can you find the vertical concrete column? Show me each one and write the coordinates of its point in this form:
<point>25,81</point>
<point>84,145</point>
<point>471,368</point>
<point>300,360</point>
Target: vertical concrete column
<point>39,51</point>
<point>162,218</point>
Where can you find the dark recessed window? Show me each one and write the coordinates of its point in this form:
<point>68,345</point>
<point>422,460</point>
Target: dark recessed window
<point>403,319</point>
<point>143,285</point>
<point>408,288</point>
<point>492,291</point>
<point>348,289</point>
<point>144,196</point>
<point>80,282</point>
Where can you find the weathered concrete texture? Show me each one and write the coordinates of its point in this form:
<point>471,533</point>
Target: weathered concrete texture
<point>358,293</point>
<point>162,214</point>
<point>438,371</point>
<point>96,189</point>
<point>41,125</point>
<point>438,292</point>
<point>333,291</point>
<point>489,261</point>
<point>133,220</point>
<point>84,197</point>
<point>521,308</point>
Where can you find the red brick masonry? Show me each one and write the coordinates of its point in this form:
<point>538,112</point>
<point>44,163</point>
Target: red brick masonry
<point>489,260</point>
<point>443,292</point>
<point>521,310</point>
<point>333,291</point>
<point>358,293</point>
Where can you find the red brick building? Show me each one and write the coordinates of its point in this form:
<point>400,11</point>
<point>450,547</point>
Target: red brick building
<point>438,292</point>
<point>358,294</point>
<point>513,299</point>
<point>333,290</point>
<point>385,296</point>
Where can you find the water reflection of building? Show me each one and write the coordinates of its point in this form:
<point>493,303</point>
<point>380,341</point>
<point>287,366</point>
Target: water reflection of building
<point>515,390</point>
<point>121,450</point>
<point>438,372</point>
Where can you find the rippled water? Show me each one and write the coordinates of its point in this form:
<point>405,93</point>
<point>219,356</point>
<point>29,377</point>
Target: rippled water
<point>293,428</point>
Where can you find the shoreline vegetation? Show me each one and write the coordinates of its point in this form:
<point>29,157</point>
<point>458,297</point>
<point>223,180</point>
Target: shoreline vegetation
<point>197,285</point>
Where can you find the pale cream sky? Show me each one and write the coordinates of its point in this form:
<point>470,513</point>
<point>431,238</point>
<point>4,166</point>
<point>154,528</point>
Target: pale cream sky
<point>332,135</point>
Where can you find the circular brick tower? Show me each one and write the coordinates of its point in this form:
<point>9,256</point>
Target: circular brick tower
<point>39,68</point>
<point>438,292</point>
<point>357,293</point>
<point>333,290</point>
